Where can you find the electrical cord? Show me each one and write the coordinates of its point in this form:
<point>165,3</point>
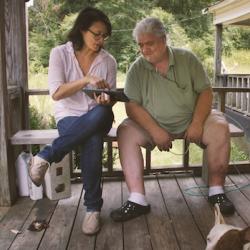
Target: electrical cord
<point>201,190</point>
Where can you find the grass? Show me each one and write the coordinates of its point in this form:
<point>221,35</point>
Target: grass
<point>238,62</point>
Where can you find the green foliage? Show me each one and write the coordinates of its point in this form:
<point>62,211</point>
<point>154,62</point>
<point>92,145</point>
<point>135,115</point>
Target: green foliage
<point>177,35</point>
<point>237,154</point>
<point>38,121</point>
<point>189,15</point>
<point>238,36</point>
<point>123,19</point>
<point>50,21</point>
<point>237,62</point>
<point>208,64</point>
<point>203,48</point>
<point>77,156</point>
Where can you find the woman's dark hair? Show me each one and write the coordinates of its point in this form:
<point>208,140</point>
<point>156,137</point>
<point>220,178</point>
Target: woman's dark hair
<point>84,20</point>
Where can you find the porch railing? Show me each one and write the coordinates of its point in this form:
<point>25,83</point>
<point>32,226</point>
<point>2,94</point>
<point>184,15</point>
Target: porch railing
<point>235,100</point>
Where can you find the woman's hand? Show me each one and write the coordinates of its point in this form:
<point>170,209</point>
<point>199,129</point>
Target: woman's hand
<point>103,99</point>
<point>97,82</point>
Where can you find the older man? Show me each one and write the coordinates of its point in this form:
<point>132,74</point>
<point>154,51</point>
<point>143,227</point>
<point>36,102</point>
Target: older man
<point>170,98</point>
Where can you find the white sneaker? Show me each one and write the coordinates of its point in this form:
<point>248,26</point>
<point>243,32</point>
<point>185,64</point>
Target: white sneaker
<point>91,223</point>
<point>37,169</point>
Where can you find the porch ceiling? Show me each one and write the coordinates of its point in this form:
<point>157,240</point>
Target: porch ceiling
<point>234,12</point>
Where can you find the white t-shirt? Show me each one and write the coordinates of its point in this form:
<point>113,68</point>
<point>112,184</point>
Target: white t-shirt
<point>64,68</point>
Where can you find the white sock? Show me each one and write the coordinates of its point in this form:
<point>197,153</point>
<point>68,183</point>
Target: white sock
<point>215,190</point>
<point>138,198</point>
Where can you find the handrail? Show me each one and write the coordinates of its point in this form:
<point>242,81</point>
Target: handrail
<point>37,92</point>
<point>222,91</point>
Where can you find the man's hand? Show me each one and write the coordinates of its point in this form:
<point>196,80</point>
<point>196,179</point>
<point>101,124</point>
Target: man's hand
<point>162,139</point>
<point>194,132</point>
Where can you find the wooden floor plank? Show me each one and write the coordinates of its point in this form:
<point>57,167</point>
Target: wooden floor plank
<point>177,220</point>
<point>78,240</point>
<point>58,233</point>
<point>160,225</point>
<point>136,234</point>
<point>111,234</point>
<point>234,219</point>
<point>3,212</point>
<point>240,197</point>
<point>14,219</point>
<point>198,205</point>
<point>42,210</point>
<point>188,235</point>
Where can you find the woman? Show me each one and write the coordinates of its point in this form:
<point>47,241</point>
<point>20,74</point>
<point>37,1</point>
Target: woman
<point>81,121</point>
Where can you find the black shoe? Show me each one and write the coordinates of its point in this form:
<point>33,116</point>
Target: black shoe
<point>128,211</point>
<point>226,206</point>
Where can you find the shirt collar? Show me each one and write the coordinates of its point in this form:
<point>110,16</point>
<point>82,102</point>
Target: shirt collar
<point>170,56</point>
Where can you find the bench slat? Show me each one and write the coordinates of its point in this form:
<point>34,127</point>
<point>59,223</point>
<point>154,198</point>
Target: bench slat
<point>235,131</point>
<point>29,137</point>
<point>45,136</point>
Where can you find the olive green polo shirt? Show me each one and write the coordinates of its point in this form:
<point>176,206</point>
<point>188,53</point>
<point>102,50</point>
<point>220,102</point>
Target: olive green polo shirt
<point>169,99</point>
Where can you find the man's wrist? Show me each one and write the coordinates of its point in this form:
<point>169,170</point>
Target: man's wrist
<point>197,122</point>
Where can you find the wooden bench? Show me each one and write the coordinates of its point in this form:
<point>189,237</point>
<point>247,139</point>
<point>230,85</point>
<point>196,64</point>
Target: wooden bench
<point>42,137</point>
<point>46,136</point>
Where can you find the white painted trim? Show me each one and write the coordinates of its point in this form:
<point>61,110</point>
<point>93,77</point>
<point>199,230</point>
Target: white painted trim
<point>230,11</point>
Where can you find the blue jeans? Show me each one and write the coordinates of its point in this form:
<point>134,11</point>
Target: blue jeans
<point>87,132</point>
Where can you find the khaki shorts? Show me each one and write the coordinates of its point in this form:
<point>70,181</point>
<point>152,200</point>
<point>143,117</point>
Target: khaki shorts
<point>147,142</point>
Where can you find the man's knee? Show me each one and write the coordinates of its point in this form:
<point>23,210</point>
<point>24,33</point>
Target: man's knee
<point>221,128</point>
<point>216,129</point>
<point>130,131</point>
<point>125,128</point>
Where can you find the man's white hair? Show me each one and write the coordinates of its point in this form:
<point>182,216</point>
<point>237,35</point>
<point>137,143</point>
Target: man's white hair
<point>149,25</point>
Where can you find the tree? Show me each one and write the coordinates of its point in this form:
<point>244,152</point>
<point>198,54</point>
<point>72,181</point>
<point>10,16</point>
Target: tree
<point>189,15</point>
<point>123,19</point>
<point>47,28</point>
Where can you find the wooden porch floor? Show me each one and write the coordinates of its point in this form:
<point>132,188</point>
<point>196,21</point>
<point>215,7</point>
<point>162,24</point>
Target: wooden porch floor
<point>177,219</point>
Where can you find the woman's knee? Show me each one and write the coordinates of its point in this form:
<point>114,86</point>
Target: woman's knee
<point>105,110</point>
<point>102,115</point>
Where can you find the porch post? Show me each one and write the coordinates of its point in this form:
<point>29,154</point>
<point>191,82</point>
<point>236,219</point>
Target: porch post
<point>7,194</point>
<point>13,83</point>
<point>218,52</point>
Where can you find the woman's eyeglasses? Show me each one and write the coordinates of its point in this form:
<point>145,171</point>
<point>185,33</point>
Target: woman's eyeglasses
<point>97,36</point>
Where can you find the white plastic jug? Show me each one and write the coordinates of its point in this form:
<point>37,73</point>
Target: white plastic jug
<point>36,193</point>
<point>22,174</point>
<point>25,185</point>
